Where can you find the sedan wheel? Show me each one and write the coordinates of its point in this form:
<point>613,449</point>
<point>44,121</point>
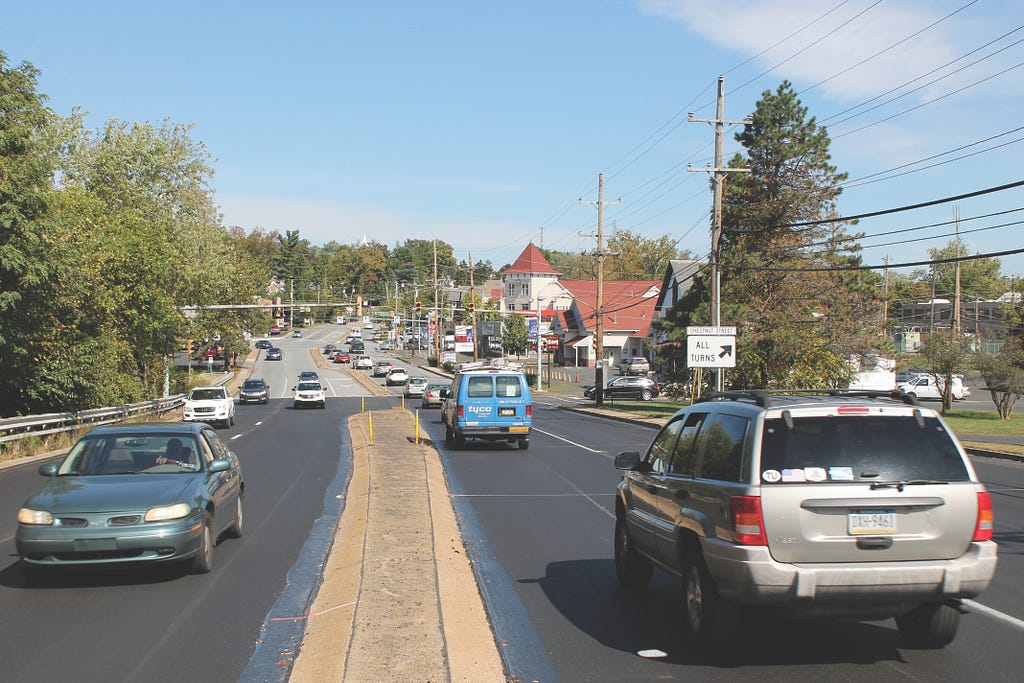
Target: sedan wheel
<point>236,529</point>
<point>646,395</point>
<point>203,562</point>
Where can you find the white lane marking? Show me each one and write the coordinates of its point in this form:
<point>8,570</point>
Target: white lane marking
<point>236,436</point>
<point>561,438</point>
<point>1005,618</point>
<point>258,423</point>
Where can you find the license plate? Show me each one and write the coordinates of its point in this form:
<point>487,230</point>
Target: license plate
<point>95,544</point>
<point>505,412</point>
<point>871,522</point>
<point>518,430</point>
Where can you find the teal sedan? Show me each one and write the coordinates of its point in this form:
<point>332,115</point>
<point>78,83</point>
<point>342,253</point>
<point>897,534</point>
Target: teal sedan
<point>134,494</point>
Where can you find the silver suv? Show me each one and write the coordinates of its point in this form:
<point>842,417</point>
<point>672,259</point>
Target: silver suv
<point>828,504</point>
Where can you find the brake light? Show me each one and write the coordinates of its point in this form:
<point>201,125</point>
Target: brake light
<point>853,410</point>
<point>529,410</point>
<point>983,529</point>
<point>747,520</point>
<point>460,411</point>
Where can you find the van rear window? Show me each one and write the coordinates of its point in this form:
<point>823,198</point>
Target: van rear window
<point>480,387</point>
<point>509,387</point>
<point>860,448</point>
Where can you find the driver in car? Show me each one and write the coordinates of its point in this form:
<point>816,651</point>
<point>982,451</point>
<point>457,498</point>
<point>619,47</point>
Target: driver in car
<point>177,454</point>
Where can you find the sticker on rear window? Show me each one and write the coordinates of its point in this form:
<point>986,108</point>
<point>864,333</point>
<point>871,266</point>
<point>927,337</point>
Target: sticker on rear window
<point>815,474</point>
<point>793,475</point>
<point>771,476</point>
<point>840,473</point>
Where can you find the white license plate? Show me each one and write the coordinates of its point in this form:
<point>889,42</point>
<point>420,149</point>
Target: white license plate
<point>506,412</point>
<point>871,522</point>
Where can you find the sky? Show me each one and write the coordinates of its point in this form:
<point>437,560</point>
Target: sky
<point>484,123</point>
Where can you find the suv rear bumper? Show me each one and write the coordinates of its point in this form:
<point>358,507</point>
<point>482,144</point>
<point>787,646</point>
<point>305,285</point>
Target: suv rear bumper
<point>749,575</point>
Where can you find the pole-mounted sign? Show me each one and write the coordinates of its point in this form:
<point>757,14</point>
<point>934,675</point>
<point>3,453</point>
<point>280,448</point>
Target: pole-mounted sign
<point>711,347</point>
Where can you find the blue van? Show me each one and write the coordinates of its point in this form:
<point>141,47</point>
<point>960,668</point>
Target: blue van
<point>492,404</point>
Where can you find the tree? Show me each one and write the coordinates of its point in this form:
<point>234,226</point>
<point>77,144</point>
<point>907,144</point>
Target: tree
<point>515,334</point>
<point>1003,373</point>
<point>943,358</point>
<point>799,314</point>
<point>980,278</point>
<point>638,257</point>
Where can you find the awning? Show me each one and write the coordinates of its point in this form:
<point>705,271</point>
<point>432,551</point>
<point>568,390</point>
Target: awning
<point>579,341</point>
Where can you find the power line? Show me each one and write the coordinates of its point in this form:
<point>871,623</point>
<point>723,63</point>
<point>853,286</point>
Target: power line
<point>955,259</point>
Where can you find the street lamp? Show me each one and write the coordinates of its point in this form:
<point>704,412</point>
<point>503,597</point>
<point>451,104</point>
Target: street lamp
<point>539,336</point>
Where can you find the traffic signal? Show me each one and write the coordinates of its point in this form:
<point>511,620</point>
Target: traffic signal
<point>419,308</point>
<point>196,346</point>
<point>471,308</point>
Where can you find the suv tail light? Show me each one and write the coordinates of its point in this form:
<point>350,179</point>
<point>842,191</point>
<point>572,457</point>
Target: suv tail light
<point>460,410</point>
<point>529,410</point>
<point>747,520</point>
<point>983,529</point>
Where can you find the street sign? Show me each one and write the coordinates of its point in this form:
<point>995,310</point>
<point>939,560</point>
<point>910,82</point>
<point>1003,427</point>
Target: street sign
<point>711,347</point>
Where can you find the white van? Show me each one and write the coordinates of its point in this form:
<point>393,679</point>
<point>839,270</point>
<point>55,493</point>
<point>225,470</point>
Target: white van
<point>926,386</point>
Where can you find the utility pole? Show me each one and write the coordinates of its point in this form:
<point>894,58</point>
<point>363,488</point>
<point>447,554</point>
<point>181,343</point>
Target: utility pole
<point>437,313</point>
<point>599,325</point>
<point>472,318</point>
<point>885,296</point>
<point>719,172</point>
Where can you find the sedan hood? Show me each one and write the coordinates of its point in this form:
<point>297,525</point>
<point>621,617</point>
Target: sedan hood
<point>111,493</point>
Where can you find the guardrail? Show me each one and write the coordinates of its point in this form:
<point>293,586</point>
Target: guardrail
<point>14,428</point>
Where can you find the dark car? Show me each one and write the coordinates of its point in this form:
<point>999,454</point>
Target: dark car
<point>627,386</point>
<point>254,390</point>
<point>130,494</point>
<point>329,348</point>
<point>308,376</point>
<point>263,344</point>
<point>273,353</point>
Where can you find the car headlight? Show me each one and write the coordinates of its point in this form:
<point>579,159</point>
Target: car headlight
<point>166,512</point>
<point>29,516</point>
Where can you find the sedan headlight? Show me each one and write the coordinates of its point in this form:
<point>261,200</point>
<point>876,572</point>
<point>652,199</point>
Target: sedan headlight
<point>29,516</point>
<point>166,512</point>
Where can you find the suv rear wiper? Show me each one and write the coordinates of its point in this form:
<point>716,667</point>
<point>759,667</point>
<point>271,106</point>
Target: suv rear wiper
<point>898,485</point>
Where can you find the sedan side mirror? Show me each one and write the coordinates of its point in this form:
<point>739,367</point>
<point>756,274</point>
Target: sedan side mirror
<point>628,460</point>
<point>49,469</point>
<point>219,466</point>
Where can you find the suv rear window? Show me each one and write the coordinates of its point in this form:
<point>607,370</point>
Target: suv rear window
<point>862,448</point>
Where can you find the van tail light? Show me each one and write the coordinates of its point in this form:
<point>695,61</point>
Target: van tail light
<point>460,410</point>
<point>983,529</point>
<point>747,520</point>
<point>529,410</point>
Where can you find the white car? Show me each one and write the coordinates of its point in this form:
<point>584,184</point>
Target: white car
<point>381,368</point>
<point>209,404</point>
<point>363,363</point>
<point>415,386</point>
<point>396,376</point>
<point>309,393</point>
<point>925,386</point>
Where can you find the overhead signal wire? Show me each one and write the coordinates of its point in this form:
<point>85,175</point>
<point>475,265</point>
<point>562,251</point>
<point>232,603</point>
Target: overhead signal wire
<point>908,264</point>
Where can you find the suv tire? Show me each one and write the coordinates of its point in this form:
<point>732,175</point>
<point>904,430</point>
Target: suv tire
<point>709,622</point>
<point>633,571</point>
<point>930,626</point>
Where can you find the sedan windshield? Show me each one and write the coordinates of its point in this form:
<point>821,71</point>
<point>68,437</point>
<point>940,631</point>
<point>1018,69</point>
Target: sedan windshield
<point>132,454</point>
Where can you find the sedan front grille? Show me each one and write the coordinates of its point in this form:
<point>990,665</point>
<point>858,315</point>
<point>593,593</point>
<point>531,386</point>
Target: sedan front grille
<point>124,520</point>
<point>72,521</point>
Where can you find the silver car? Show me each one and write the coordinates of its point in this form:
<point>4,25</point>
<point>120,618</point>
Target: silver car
<point>818,504</point>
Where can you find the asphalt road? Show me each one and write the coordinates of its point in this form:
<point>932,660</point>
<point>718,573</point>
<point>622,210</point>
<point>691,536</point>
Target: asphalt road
<point>539,526</point>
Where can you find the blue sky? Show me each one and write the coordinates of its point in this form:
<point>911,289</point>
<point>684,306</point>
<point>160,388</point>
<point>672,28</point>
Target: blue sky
<point>481,123</point>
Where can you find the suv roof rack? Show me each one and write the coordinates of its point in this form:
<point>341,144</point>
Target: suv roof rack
<point>761,397</point>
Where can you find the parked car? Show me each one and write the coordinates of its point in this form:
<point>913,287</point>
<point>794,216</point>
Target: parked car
<point>624,386</point>
<point>342,357</point>
<point>634,366</point>
<point>308,376</point>
<point>273,353</point>
<point>817,504</point>
<point>926,386</point>
<point>308,393</point>
<point>184,491</point>
<point>211,405</point>
<point>381,368</point>
<point>263,344</point>
<point>254,390</point>
<point>363,363</point>
<point>493,404</point>
<point>433,395</point>
<point>387,346</point>
<point>396,376</point>
<point>415,386</point>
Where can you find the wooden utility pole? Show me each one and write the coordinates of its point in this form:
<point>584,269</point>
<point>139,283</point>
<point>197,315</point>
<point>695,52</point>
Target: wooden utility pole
<point>437,313</point>
<point>719,172</point>
<point>599,325</point>
<point>472,318</point>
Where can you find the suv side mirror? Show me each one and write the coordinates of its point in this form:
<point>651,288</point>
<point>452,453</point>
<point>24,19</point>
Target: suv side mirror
<point>627,460</point>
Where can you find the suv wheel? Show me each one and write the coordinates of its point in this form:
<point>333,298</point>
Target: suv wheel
<point>930,626</point>
<point>709,622</point>
<point>633,571</point>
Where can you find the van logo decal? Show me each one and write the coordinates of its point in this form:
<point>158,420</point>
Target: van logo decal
<point>480,411</point>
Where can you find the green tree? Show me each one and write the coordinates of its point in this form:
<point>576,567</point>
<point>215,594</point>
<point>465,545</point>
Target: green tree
<point>1003,373</point>
<point>943,357</point>
<point>798,314</point>
<point>980,278</point>
<point>638,257</point>
<point>515,334</point>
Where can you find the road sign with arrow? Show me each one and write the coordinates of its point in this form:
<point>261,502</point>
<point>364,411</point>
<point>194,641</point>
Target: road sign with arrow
<point>711,347</point>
